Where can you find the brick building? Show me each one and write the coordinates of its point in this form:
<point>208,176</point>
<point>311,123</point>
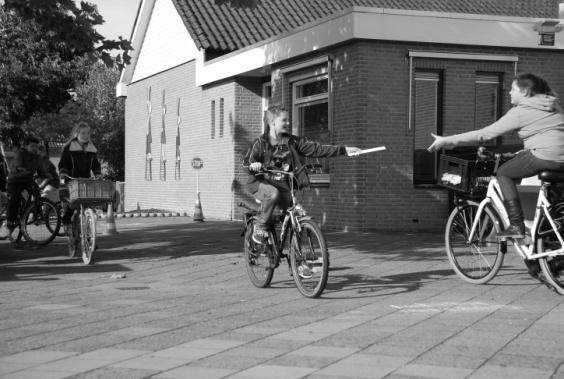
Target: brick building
<point>357,72</point>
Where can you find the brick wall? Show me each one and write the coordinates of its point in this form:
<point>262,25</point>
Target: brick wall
<point>217,152</point>
<point>371,87</point>
<point>370,101</point>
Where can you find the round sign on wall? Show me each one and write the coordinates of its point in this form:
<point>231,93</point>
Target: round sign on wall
<point>197,163</point>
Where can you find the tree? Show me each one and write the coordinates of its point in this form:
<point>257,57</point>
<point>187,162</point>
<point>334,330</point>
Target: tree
<point>46,48</point>
<point>96,104</point>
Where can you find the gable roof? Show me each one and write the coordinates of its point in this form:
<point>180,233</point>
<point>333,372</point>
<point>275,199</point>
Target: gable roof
<point>222,28</point>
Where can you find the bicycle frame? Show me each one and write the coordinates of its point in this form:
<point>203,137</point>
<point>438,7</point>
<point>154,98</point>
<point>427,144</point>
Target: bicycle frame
<point>495,198</point>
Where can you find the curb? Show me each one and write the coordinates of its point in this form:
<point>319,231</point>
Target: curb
<point>152,214</point>
<point>145,214</point>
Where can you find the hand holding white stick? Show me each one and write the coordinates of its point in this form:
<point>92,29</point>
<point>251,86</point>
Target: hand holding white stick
<point>366,151</point>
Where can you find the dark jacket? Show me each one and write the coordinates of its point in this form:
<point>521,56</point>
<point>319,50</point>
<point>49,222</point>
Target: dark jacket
<point>24,166</point>
<point>300,147</point>
<point>49,171</point>
<point>78,161</point>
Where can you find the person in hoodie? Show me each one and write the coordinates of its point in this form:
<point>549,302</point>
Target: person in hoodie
<point>538,120</point>
<point>78,160</point>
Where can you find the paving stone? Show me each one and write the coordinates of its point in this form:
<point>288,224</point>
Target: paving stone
<point>431,371</point>
<point>194,372</point>
<point>503,372</point>
<point>114,373</point>
<point>393,308</point>
<point>273,372</point>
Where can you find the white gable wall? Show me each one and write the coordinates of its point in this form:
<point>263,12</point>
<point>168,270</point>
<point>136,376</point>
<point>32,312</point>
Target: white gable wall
<point>167,42</point>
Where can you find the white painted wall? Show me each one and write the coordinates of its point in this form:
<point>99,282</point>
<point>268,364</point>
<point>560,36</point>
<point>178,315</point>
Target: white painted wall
<point>167,42</point>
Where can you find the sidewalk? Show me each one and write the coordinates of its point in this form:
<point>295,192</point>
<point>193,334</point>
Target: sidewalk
<point>170,298</point>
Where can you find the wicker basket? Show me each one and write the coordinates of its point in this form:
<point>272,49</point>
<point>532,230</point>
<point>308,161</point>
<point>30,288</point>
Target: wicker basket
<point>92,191</point>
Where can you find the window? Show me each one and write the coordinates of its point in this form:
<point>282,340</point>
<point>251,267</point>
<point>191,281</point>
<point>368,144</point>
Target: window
<point>311,118</point>
<point>212,119</point>
<point>266,96</point>
<point>148,140</point>
<point>427,119</point>
<point>488,104</point>
<point>162,167</point>
<point>221,117</point>
<point>177,160</point>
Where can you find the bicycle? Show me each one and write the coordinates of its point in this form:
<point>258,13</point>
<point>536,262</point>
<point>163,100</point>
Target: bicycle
<point>84,195</point>
<point>38,217</point>
<point>308,256</point>
<point>472,245</point>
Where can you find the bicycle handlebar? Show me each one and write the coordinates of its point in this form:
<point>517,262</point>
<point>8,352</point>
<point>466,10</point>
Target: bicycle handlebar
<point>484,154</point>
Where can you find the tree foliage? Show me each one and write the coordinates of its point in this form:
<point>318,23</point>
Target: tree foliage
<point>46,49</point>
<point>96,104</point>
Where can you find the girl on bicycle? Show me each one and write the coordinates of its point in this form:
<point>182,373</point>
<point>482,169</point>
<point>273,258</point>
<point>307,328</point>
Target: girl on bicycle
<point>538,120</point>
<point>79,160</point>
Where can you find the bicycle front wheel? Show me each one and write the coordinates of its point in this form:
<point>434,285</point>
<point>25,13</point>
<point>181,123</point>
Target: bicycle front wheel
<point>309,258</point>
<point>88,236</point>
<point>73,235</point>
<point>40,222</point>
<point>257,260</point>
<point>476,261</point>
<point>547,240</point>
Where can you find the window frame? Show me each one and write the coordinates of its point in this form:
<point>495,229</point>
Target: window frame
<point>438,110</point>
<point>322,179</point>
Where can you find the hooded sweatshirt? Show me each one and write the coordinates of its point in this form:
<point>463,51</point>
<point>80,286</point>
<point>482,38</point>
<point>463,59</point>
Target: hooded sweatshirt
<point>539,122</point>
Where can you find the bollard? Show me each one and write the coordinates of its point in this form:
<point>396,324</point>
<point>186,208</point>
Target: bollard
<point>198,215</point>
<point>110,222</point>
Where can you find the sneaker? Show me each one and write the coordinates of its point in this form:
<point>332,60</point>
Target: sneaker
<point>513,231</point>
<point>304,271</point>
<point>260,236</point>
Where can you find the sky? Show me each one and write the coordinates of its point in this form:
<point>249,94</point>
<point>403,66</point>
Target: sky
<point>119,16</point>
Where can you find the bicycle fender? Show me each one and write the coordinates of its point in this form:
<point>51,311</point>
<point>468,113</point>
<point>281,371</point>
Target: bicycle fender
<point>247,219</point>
<point>301,218</point>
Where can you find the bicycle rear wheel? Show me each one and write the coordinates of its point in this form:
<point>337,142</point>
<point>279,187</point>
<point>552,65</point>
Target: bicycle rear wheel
<point>257,260</point>
<point>547,240</point>
<point>88,236</point>
<point>309,258</point>
<point>40,222</point>
<point>479,260</point>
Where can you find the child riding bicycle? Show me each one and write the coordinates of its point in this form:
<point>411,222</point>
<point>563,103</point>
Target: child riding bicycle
<point>278,148</point>
<point>538,120</point>
<point>78,160</point>
<point>27,162</point>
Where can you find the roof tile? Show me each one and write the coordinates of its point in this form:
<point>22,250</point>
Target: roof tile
<point>224,28</point>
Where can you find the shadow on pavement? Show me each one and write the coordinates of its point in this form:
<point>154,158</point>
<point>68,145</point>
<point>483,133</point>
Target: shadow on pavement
<point>361,285</point>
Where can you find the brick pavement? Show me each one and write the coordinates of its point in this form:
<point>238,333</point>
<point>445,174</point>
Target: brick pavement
<point>185,309</point>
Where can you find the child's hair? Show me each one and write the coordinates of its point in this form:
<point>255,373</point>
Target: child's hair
<point>80,125</point>
<point>534,84</point>
<point>271,114</point>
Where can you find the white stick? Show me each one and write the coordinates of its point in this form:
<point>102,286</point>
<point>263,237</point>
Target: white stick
<point>365,151</point>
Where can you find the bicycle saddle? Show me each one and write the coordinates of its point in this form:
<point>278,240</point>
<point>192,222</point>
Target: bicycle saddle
<point>551,176</point>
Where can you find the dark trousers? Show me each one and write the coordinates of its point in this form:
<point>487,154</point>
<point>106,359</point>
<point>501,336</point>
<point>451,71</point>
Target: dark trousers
<point>270,197</point>
<point>14,191</point>
<point>523,165</point>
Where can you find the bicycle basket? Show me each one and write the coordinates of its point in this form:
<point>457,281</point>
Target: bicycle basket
<point>468,176</point>
<point>91,191</point>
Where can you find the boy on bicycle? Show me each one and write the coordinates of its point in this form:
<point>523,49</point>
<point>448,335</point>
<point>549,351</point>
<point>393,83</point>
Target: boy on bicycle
<point>278,148</point>
<point>26,163</point>
<point>78,160</point>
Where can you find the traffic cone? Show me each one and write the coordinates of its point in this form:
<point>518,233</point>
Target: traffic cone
<point>110,222</point>
<point>198,215</point>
